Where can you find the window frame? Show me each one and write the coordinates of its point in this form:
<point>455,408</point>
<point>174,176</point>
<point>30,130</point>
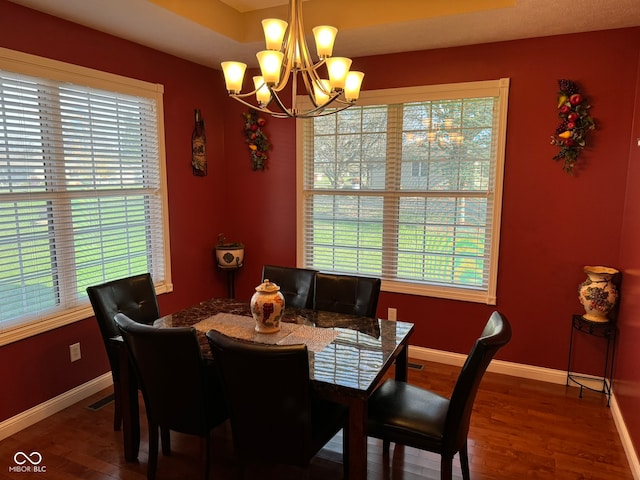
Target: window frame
<point>48,69</point>
<point>496,88</point>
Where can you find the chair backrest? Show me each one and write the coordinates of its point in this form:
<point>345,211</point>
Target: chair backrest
<point>496,334</point>
<point>347,294</point>
<point>134,296</point>
<point>268,394</point>
<point>296,284</point>
<point>179,390</point>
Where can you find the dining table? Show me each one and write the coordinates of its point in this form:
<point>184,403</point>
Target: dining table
<point>349,355</point>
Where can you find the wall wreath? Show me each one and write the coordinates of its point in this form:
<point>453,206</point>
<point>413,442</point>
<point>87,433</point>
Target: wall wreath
<point>256,139</point>
<point>575,124</point>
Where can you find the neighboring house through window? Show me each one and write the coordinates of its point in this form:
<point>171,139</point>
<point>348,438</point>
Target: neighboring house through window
<point>82,189</point>
<point>407,186</point>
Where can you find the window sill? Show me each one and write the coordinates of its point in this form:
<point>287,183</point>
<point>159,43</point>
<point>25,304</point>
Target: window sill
<point>462,294</point>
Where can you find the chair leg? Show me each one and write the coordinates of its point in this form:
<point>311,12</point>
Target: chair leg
<point>165,439</point>
<point>117,407</point>
<point>464,462</point>
<point>153,451</point>
<point>206,451</point>
<point>446,468</point>
<point>385,447</point>
<point>345,452</point>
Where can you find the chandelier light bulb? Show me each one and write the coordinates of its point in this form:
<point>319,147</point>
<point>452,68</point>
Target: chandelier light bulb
<point>352,86</point>
<point>325,37</point>
<point>322,92</point>
<point>338,68</point>
<point>263,95</point>
<point>270,64</point>
<point>274,30</point>
<point>233,75</point>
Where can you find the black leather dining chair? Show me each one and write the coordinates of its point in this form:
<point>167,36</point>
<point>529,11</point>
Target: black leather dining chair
<point>135,297</point>
<point>181,390</point>
<point>349,294</point>
<point>275,416</point>
<point>409,415</point>
<point>296,284</point>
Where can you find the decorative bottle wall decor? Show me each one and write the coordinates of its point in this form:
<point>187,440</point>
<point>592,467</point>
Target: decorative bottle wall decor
<point>198,146</point>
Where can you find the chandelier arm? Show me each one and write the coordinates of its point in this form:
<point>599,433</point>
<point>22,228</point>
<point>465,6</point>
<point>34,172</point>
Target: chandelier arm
<point>275,114</point>
<point>308,85</point>
<point>284,78</point>
<point>243,95</point>
<point>322,111</point>
<point>335,98</point>
<point>281,106</point>
<point>289,47</point>
<point>286,113</point>
<point>251,105</point>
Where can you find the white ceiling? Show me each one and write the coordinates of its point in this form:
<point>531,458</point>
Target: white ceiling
<point>147,23</point>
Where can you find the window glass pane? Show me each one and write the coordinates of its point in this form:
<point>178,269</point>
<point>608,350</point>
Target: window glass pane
<point>80,193</point>
<point>433,165</point>
<point>28,269</point>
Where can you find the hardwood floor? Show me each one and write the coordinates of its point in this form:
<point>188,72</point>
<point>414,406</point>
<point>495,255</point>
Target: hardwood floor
<point>519,429</point>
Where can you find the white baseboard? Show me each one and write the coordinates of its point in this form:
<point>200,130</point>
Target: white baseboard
<point>496,366</point>
<point>534,373</point>
<point>40,412</point>
<point>629,450</point>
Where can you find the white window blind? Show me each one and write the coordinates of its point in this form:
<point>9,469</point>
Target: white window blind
<point>407,186</point>
<point>82,189</point>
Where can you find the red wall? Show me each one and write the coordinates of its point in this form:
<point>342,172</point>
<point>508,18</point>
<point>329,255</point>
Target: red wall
<point>627,374</point>
<point>552,223</point>
<point>198,206</point>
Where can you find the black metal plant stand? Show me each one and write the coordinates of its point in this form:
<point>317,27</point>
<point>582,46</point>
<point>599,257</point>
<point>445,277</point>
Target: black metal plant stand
<point>606,330</point>
<point>231,280</point>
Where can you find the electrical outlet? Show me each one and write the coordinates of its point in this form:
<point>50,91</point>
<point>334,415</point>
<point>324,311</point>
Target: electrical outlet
<point>74,352</point>
<point>392,313</point>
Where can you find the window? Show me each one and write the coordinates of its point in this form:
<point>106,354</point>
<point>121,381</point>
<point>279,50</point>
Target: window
<point>407,186</point>
<point>82,189</point>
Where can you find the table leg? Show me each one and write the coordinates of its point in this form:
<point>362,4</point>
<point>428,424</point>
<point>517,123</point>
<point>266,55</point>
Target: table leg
<point>402,364</point>
<point>357,438</point>
<point>130,408</point>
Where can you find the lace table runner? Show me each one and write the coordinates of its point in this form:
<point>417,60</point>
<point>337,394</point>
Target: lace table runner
<point>239,326</point>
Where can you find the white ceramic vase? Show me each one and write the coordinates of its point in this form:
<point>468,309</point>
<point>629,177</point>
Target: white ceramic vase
<point>598,294</point>
<point>267,306</point>
<point>230,255</point>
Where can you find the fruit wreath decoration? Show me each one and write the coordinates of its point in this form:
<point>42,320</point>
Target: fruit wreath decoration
<point>256,139</point>
<point>575,124</point>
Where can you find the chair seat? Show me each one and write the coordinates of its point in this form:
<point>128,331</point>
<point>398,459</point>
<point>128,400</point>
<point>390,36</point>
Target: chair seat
<point>405,411</point>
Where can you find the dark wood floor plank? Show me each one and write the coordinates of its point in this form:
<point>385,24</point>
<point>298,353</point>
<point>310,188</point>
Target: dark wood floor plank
<point>519,429</point>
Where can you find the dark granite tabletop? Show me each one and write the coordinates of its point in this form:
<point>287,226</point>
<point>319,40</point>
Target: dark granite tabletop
<point>353,362</point>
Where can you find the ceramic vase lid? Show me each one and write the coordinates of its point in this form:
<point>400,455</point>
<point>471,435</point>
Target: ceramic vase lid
<point>267,286</point>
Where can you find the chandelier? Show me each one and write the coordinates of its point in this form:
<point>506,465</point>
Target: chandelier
<point>287,59</point>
